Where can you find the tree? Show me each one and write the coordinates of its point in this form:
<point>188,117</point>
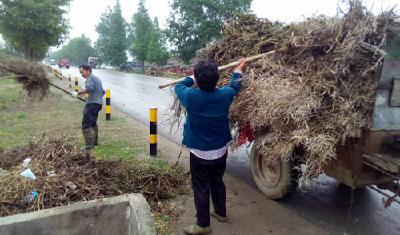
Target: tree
<point>77,50</point>
<point>194,23</point>
<point>116,47</point>
<point>157,49</point>
<point>103,29</point>
<point>111,44</point>
<point>32,26</point>
<point>142,29</point>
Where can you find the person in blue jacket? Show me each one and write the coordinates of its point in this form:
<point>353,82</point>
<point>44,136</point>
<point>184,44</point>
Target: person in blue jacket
<point>207,134</point>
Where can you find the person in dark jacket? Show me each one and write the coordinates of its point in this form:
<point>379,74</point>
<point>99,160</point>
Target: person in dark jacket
<point>94,102</point>
<point>207,134</point>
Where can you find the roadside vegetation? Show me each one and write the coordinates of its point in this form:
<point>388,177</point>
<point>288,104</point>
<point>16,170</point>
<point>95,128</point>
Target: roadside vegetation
<point>56,119</point>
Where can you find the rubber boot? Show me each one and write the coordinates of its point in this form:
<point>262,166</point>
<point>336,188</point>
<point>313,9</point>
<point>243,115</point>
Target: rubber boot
<point>88,134</point>
<point>96,135</point>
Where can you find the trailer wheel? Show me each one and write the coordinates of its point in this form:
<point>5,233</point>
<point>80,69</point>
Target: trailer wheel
<point>275,180</point>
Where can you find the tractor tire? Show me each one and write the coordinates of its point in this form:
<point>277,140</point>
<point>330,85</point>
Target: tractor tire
<point>275,180</point>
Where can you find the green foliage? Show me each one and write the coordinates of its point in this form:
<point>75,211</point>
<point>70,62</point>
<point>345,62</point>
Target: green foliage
<point>142,29</point>
<point>117,45</point>
<point>103,29</point>
<point>148,42</point>
<point>194,23</point>
<point>32,26</point>
<point>77,51</point>
<point>117,149</point>
<point>157,48</point>
<point>112,41</point>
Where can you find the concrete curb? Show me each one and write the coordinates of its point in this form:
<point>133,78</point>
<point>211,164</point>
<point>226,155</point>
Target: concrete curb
<point>126,214</point>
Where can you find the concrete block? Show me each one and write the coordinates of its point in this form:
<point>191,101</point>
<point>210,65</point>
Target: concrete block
<point>122,215</point>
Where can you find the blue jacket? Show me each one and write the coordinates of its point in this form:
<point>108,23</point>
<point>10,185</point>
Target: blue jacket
<point>207,123</point>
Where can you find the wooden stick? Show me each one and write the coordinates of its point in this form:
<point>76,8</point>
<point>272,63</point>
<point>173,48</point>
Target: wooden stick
<point>67,92</point>
<point>220,68</point>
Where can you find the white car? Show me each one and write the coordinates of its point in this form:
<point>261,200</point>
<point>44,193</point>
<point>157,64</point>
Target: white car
<point>104,66</point>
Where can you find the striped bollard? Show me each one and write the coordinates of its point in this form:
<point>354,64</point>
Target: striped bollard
<point>108,104</point>
<point>153,132</point>
<point>76,84</point>
<point>60,75</point>
<point>69,81</point>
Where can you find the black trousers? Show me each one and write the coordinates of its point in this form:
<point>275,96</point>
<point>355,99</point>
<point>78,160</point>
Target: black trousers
<point>207,178</point>
<point>90,115</point>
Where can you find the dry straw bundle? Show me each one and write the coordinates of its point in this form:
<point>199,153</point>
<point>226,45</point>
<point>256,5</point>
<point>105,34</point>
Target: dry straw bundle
<point>32,75</point>
<point>316,91</point>
<point>66,174</point>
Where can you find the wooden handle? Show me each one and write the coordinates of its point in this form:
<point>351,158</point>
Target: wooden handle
<point>223,67</point>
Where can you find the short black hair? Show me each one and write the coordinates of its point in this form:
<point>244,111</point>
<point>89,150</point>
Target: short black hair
<point>206,75</point>
<point>85,67</point>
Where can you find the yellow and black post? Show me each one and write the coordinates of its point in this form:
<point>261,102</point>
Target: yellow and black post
<point>76,84</point>
<point>69,81</point>
<point>108,104</point>
<point>153,132</point>
<point>60,75</point>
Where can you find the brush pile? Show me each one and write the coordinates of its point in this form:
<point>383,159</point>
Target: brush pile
<point>32,75</point>
<point>66,174</point>
<point>316,91</point>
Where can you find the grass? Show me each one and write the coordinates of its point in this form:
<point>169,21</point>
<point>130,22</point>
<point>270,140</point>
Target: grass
<point>10,93</point>
<point>116,149</point>
<point>138,71</point>
<point>22,119</point>
<point>162,224</point>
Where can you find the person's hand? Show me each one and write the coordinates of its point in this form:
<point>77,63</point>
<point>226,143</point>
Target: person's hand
<point>74,94</point>
<point>241,68</point>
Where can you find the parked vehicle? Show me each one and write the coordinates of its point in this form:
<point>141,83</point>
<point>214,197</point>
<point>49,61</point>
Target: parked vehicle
<point>107,66</point>
<point>128,66</point>
<point>94,62</point>
<point>63,63</point>
<point>52,62</point>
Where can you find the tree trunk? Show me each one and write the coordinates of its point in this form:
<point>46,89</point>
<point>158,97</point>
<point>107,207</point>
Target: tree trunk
<point>142,64</point>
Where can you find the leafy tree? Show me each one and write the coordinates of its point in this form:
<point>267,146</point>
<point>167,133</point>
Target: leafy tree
<point>142,29</point>
<point>194,23</point>
<point>111,44</point>
<point>32,26</point>
<point>157,49</point>
<point>77,50</point>
<point>116,46</point>
<point>103,29</point>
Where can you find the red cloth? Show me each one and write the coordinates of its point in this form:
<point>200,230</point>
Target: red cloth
<point>246,133</point>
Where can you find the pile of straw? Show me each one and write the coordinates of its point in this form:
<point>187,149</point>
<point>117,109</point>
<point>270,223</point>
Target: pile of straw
<point>66,174</point>
<point>32,75</point>
<point>316,91</point>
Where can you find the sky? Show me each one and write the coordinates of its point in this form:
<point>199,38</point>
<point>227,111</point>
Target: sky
<point>84,14</point>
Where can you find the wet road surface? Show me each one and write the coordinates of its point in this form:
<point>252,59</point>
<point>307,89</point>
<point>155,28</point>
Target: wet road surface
<point>325,202</point>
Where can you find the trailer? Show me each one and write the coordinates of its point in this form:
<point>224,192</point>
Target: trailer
<point>371,161</point>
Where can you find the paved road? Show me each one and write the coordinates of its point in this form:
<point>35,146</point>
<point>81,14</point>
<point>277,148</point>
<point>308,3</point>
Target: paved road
<point>324,202</point>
